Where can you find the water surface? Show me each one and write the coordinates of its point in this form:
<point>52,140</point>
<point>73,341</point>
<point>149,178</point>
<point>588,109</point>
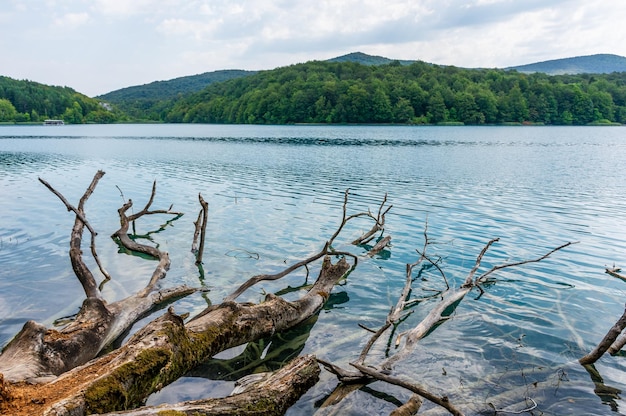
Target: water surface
<point>275,195</point>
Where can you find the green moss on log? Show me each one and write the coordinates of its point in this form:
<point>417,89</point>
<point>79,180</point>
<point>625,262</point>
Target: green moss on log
<point>120,390</point>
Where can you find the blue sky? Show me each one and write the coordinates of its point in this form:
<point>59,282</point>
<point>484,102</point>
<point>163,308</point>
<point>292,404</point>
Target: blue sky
<point>97,46</point>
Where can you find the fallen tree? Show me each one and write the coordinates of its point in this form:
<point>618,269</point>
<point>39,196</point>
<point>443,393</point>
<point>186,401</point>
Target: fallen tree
<point>67,372</point>
<point>407,341</point>
<point>60,372</point>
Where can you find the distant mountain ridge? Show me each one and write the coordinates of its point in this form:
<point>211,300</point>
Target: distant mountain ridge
<point>163,90</point>
<point>590,64</point>
<point>155,91</point>
<point>365,59</point>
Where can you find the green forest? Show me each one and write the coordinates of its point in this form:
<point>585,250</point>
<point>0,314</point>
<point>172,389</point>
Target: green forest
<point>32,102</point>
<point>338,92</point>
<point>419,93</point>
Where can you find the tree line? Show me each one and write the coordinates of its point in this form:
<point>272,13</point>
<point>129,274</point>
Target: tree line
<point>343,92</point>
<point>28,101</point>
<point>419,93</point>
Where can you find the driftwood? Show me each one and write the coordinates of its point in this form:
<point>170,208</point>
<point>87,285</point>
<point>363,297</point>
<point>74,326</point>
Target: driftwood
<point>61,372</point>
<point>410,338</point>
<point>615,338</point>
<point>40,353</point>
<point>65,372</point>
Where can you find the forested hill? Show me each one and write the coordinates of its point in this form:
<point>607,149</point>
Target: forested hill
<point>592,64</point>
<point>147,101</point>
<point>163,90</point>
<point>365,59</point>
<point>348,92</point>
<point>28,101</point>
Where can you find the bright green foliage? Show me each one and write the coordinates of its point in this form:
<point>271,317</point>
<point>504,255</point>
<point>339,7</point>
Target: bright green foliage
<point>348,92</point>
<point>34,102</point>
<point>7,111</point>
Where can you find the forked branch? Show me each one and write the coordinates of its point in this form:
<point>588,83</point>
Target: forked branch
<point>326,250</point>
<point>81,270</point>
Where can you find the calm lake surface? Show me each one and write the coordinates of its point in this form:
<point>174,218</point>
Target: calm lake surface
<point>275,195</point>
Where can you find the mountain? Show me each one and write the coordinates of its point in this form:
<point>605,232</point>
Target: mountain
<point>421,93</point>
<point>365,59</point>
<point>148,101</point>
<point>590,64</point>
<point>164,90</point>
<point>151,101</point>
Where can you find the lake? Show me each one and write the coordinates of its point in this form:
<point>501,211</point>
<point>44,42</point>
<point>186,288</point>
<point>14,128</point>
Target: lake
<point>275,196</point>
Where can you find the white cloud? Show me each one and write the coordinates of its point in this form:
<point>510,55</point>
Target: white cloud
<point>127,42</point>
<point>71,20</point>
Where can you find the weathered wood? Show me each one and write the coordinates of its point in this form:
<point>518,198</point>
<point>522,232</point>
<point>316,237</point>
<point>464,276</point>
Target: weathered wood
<point>449,302</point>
<point>410,408</point>
<point>167,348</point>
<point>442,401</point>
<point>606,342</point>
<point>37,353</point>
<point>271,396</point>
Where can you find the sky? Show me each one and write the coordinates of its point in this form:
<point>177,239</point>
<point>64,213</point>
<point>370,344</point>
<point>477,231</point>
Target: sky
<point>98,46</point>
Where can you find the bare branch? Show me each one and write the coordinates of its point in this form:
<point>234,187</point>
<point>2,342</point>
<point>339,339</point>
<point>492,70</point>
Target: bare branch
<point>205,215</point>
<point>606,342</point>
<point>196,233</point>
<point>618,344</point>
<point>81,270</point>
<point>469,281</point>
<point>615,272</point>
<point>380,246</point>
<point>262,277</point>
<point>519,263</point>
<point>122,235</point>
<point>442,401</point>
<point>379,221</point>
<point>345,376</point>
<point>326,250</point>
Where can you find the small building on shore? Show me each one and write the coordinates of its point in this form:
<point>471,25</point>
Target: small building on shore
<point>53,123</point>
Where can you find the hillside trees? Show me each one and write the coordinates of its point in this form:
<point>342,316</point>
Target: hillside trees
<point>347,92</point>
<point>7,111</point>
<point>34,102</point>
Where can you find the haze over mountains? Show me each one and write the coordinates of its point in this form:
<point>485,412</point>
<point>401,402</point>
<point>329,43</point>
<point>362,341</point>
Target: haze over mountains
<point>158,90</point>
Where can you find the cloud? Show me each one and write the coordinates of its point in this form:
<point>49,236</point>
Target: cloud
<point>140,41</point>
<point>71,20</point>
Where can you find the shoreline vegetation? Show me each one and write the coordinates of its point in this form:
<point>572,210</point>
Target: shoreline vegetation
<point>338,93</point>
<point>599,123</point>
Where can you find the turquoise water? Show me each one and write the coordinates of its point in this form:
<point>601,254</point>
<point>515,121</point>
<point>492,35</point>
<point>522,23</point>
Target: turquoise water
<point>275,195</point>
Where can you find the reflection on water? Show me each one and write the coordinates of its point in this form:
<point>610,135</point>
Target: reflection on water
<point>276,192</point>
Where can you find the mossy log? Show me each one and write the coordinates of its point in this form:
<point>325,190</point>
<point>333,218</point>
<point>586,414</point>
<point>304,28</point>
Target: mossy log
<point>64,372</point>
<point>164,350</point>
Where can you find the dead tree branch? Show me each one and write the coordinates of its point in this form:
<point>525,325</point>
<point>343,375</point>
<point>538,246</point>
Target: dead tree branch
<point>200,229</point>
<point>326,250</point>
<point>442,401</point>
<point>410,408</point>
<point>38,353</point>
<point>167,348</point>
<point>606,342</point>
<point>439,313</point>
<point>284,386</point>
<point>379,220</point>
<point>81,270</point>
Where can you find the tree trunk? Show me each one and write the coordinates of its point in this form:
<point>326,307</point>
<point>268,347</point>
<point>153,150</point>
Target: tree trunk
<point>163,351</point>
<point>58,372</point>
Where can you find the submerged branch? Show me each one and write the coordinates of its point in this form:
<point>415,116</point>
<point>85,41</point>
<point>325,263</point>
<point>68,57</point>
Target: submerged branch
<point>442,401</point>
<point>606,342</point>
